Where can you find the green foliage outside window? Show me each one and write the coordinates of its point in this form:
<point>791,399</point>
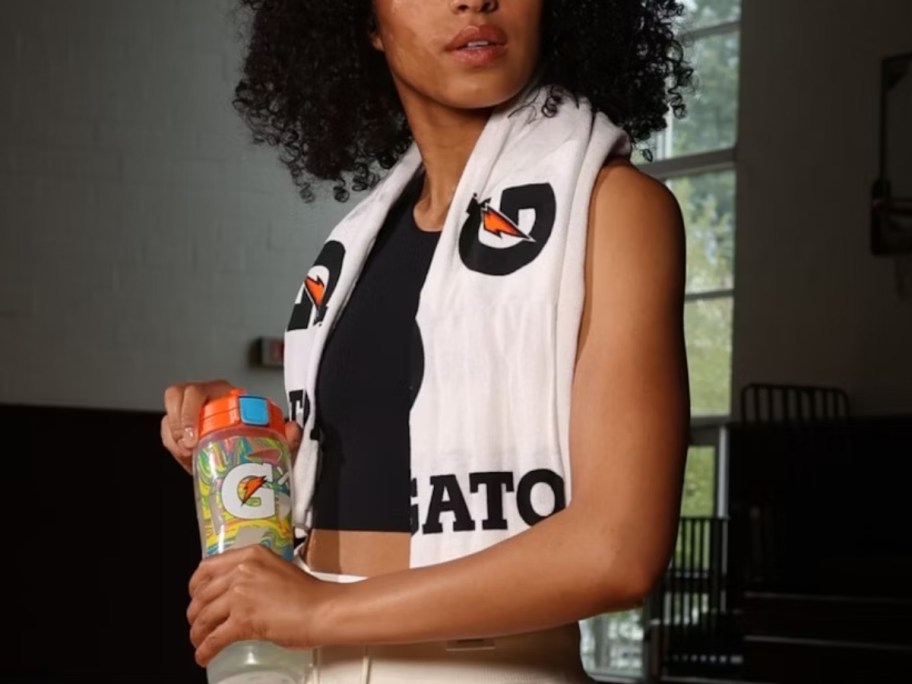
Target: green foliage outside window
<point>612,643</point>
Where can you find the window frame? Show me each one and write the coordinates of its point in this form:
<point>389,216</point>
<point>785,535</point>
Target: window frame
<point>706,430</point>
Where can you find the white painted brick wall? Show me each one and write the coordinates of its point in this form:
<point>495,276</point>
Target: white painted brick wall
<point>143,239</point>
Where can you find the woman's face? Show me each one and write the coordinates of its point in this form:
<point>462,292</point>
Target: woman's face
<point>465,54</point>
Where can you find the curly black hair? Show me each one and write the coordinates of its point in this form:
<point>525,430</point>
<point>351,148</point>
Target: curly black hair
<point>313,86</point>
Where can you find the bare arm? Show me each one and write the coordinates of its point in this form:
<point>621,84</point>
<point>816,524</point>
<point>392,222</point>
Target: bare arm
<point>629,418</point>
<point>604,552</point>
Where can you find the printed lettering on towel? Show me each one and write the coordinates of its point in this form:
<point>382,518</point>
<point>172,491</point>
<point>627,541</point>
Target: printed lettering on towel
<point>448,506</point>
<point>318,288</point>
<point>299,405</point>
<point>501,241</point>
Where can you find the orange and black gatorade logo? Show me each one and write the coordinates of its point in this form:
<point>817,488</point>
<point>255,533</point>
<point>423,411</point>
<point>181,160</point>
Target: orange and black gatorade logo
<point>501,241</point>
<point>497,224</point>
<point>251,486</point>
<point>318,288</point>
<point>249,490</point>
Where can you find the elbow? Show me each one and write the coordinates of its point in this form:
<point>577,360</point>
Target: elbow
<point>621,566</point>
<point>641,584</point>
<point>625,583</point>
<point>629,592</point>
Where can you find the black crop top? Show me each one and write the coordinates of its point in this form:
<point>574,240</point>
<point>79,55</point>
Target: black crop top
<point>364,387</point>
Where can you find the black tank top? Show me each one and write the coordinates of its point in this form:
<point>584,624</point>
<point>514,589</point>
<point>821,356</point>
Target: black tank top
<point>366,383</point>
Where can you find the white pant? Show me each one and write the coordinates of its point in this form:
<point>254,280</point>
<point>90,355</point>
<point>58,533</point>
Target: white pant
<point>548,657</point>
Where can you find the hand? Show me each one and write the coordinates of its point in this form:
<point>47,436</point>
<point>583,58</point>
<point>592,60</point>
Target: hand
<point>253,594</point>
<point>183,403</point>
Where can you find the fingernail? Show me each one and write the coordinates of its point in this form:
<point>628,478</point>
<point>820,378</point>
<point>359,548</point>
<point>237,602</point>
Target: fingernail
<point>189,436</point>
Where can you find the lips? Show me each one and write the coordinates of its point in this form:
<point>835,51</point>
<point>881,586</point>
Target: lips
<point>478,38</point>
<point>478,46</point>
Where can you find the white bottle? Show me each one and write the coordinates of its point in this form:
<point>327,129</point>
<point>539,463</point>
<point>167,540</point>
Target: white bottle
<point>258,662</point>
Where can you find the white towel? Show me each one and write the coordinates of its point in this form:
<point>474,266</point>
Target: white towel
<point>498,316</point>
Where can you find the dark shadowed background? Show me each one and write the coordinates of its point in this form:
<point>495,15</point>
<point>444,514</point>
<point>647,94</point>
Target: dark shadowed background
<point>145,241</point>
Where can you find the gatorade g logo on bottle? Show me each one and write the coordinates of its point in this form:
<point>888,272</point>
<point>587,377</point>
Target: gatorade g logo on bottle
<point>248,493</point>
<point>241,475</point>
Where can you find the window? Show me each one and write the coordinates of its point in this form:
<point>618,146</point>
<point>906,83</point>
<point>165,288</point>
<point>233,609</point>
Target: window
<point>695,157</point>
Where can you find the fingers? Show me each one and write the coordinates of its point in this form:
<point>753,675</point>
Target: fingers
<point>205,594</point>
<point>245,560</point>
<point>181,455</point>
<point>221,587</point>
<point>174,397</point>
<point>225,633</point>
<point>194,398</point>
<point>183,403</point>
<point>234,592</point>
<point>293,435</point>
<point>207,569</point>
<point>208,615</point>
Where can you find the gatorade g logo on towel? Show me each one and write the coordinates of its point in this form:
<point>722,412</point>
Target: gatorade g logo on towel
<point>247,491</point>
<point>501,241</point>
<point>318,287</point>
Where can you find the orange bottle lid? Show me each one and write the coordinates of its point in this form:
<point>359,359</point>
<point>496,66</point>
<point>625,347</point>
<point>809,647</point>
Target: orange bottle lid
<point>238,409</point>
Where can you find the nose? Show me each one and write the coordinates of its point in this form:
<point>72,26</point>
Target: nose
<point>480,6</point>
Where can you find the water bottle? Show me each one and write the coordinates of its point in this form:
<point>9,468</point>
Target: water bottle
<point>242,482</point>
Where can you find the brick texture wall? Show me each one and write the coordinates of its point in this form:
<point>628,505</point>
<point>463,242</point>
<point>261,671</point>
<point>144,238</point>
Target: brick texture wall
<point>144,239</point>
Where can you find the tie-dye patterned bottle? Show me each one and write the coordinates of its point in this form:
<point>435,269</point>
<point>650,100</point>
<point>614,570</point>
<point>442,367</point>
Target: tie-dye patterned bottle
<point>242,480</point>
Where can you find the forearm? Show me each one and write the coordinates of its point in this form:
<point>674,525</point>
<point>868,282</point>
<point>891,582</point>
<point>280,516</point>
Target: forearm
<point>551,574</point>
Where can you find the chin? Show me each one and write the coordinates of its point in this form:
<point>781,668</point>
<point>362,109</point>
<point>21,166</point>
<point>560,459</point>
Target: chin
<point>480,92</point>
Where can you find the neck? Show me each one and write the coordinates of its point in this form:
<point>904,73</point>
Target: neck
<point>445,138</point>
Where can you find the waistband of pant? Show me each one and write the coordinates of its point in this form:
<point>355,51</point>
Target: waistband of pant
<point>558,644</point>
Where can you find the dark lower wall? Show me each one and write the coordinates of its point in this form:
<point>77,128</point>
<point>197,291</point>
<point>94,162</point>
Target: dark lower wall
<point>102,541</point>
<point>822,508</point>
<point>820,555</point>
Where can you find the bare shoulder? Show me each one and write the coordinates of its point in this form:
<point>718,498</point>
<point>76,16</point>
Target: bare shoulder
<point>626,199</point>
<point>636,231</point>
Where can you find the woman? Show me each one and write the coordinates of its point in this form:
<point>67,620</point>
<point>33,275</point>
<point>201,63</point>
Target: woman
<point>436,89</point>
